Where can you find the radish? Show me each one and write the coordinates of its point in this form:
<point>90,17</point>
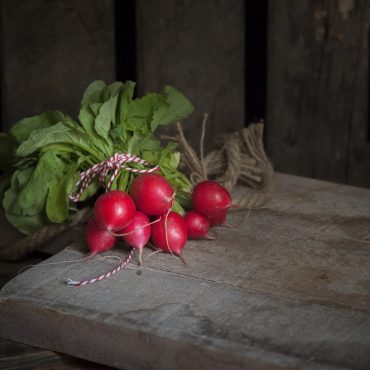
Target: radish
<point>170,233</point>
<point>197,225</point>
<point>137,233</point>
<point>98,240</point>
<point>114,210</point>
<point>212,200</point>
<point>218,218</point>
<point>152,194</point>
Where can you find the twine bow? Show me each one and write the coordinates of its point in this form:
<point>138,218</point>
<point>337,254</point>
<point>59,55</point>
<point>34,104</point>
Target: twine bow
<point>102,169</point>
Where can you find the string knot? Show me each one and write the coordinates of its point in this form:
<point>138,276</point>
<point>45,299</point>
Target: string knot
<point>111,166</point>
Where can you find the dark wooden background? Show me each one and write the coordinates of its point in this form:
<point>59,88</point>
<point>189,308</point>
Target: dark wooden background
<point>303,66</point>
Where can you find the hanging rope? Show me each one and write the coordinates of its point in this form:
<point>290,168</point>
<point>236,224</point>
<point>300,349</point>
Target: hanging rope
<point>242,159</point>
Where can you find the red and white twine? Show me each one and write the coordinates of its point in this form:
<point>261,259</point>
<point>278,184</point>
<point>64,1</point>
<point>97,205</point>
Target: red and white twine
<point>103,276</point>
<point>115,164</point>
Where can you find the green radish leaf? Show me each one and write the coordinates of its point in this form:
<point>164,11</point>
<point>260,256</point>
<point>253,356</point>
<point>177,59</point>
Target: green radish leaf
<point>27,224</point>
<point>72,176</point>
<point>19,180</point>
<point>116,134</point>
<point>58,133</point>
<point>23,176</point>
<point>140,113</point>
<point>67,150</point>
<point>93,93</point>
<point>137,125</point>
<point>151,156</point>
<point>125,99</point>
<point>139,144</point>
<point>174,159</point>
<point>95,108</point>
<point>115,87</point>
<point>149,142</point>
<point>106,117</point>
<point>22,129</point>
<point>87,119</point>
<point>176,107</point>
<point>57,203</point>
<point>90,190</point>
<point>33,196</point>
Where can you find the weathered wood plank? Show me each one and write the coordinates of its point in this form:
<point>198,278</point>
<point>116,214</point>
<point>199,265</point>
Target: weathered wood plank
<point>51,51</point>
<point>241,327</point>
<point>317,109</point>
<point>290,288</point>
<point>17,356</point>
<point>198,47</point>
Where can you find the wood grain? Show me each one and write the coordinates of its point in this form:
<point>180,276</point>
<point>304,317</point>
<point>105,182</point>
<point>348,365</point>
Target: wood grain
<point>198,47</point>
<point>16,356</point>
<point>288,288</point>
<point>317,108</point>
<point>51,51</point>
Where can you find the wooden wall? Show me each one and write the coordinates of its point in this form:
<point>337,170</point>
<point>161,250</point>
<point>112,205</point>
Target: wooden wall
<point>52,49</point>
<point>50,52</point>
<point>198,47</point>
<point>317,119</point>
<point>318,82</point>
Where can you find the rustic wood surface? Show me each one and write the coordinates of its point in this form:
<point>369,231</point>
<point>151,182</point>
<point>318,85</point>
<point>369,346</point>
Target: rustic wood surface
<point>15,355</point>
<point>289,287</point>
<point>198,47</point>
<point>318,82</point>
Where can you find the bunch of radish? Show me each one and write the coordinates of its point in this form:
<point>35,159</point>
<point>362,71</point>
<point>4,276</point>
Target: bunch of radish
<point>145,214</point>
<point>211,202</point>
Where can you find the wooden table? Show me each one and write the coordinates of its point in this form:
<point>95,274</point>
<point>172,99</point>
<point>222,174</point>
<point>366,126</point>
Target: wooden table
<point>15,355</point>
<point>288,288</point>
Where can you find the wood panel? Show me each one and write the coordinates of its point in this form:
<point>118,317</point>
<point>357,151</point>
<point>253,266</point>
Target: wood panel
<point>17,356</point>
<point>51,50</point>
<point>318,89</point>
<point>198,47</point>
<point>287,289</point>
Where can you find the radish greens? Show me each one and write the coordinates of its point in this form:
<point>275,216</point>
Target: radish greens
<point>50,150</point>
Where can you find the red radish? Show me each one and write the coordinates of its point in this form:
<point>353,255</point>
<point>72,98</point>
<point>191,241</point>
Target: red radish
<point>114,210</point>
<point>170,233</point>
<point>137,233</point>
<point>98,240</point>
<point>197,225</point>
<point>217,218</point>
<point>152,194</point>
<point>212,200</point>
